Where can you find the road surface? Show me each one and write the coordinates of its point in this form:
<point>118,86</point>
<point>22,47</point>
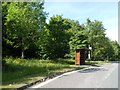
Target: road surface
<point>105,76</point>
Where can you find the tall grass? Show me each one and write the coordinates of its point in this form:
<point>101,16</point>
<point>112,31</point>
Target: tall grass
<point>21,70</point>
<point>17,72</point>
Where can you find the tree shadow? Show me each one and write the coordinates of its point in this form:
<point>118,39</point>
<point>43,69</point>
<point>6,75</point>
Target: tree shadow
<point>90,70</point>
<point>95,65</point>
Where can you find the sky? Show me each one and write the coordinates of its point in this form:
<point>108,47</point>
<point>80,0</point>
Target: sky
<point>107,12</point>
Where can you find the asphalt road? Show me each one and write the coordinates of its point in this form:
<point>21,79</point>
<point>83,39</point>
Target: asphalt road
<point>105,76</point>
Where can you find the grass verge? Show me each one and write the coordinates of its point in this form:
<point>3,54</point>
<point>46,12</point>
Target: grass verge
<point>19,72</point>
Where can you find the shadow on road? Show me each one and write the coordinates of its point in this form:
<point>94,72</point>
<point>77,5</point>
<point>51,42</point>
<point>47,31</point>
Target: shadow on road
<point>92,70</point>
<point>95,65</point>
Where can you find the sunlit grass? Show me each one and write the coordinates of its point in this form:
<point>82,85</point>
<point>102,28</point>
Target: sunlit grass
<point>21,71</point>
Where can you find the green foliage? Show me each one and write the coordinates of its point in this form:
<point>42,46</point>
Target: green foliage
<point>55,43</point>
<point>26,34</point>
<point>97,39</point>
<point>23,21</point>
<point>20,69</point>
<point>116,51</point>
<point>78,37</point>
<point>102,47</point>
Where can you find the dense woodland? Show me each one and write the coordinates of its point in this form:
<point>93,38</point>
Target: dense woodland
<point>25,34</point>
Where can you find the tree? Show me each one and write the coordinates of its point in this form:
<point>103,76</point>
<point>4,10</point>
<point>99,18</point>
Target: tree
<point>116,48</point>
<point>4,36</point>
<point>56,38</point>
<point>78,37</point>
<point>102,47</point>
<point>24,22</point>
<point>96,38</point>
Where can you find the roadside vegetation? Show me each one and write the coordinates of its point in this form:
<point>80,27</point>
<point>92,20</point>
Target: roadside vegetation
<point>29,70</point>
<point>18,72</point>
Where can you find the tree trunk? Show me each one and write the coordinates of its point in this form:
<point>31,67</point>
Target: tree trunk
<point>22,54</point>
<point>22,48</point>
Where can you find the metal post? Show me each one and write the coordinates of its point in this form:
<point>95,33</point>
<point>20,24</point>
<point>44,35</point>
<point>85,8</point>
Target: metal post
<point>89,54</point>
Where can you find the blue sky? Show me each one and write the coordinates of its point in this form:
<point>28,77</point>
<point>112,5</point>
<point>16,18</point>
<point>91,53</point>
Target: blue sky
<point>107,12</point>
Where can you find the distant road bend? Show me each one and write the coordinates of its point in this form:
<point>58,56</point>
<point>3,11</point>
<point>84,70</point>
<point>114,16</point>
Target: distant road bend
<point>105,76</point>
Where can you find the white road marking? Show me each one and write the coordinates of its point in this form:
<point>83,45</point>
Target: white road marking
<point>110,72</point>
<point>48,81</point>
